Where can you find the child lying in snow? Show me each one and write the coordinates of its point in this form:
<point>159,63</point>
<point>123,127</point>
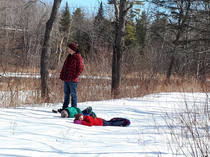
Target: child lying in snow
<point>89,121</point>
<point>69,112</point>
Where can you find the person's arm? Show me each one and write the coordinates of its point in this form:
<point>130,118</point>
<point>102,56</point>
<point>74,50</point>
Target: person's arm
<point>63,69</point>
<point>87,121</point>
<point>80,66</point>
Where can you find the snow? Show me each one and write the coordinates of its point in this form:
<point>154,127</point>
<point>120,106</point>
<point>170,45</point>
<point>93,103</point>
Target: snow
<point>25,75</point>
<point>37,75</point>
<point>36,131</point>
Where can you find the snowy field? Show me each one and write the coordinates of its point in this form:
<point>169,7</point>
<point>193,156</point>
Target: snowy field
<point>37,132</point>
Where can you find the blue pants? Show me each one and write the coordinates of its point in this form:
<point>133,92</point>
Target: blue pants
<point>70,88</point>
<point>113,123</point>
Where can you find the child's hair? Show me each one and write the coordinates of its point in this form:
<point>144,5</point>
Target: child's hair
<point>64,114</point>
<point>77,116</point>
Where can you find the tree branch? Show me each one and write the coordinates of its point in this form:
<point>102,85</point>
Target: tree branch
<point>30,2</point>
<point>116,5</point>
<point>2,9</point>
<point>130,6</point>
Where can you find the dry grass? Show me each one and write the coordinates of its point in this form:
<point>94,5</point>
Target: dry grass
<point>90,88</point>
<point>187,128</point>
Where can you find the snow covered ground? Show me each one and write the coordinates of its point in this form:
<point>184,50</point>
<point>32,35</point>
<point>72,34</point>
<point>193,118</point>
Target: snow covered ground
<point>37,132</point>
<point>37,75</point>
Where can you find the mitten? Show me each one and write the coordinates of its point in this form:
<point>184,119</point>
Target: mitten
<point>78,121</point>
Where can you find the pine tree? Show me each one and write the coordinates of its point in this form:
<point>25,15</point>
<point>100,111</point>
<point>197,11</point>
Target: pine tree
<point>130,36</point>
<point>65,20</point>
<point>81,34</point>
<point>100,14</point>
<point>141,32</point>
<point>78,15</point>
<point>99,21</point>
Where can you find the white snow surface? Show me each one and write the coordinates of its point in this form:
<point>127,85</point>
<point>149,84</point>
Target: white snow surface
<point>37,132</point>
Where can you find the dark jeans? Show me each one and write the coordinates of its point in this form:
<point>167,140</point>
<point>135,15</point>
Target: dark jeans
<point>70,88</point>
<point>113,123</point>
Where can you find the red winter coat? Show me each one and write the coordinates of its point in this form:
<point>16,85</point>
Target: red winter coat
<point>72,68</point>
<point>89,121</point>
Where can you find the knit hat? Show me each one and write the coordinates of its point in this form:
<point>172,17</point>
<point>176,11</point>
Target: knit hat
<point>64,114</point>
<point>77,116</point>
<point>73,46</point>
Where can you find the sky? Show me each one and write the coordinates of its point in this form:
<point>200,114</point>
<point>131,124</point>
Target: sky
<point>81,3</point>
<point>34,131</point>
<point>88,6</point>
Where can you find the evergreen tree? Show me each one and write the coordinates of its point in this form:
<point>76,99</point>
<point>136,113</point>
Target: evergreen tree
<point>99,21</point>
<point>100,14</point>
<point>141,27</point>
<point>78,15</point>
<point>130,34</point>
<point>103,28</point>
<point>65,20</point>
<point>81,34</point>
<point>101,25</point>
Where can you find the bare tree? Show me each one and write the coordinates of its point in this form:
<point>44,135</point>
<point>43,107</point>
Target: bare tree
<point>176,36</point>
<point>45,56</point>
<point>121,10</point>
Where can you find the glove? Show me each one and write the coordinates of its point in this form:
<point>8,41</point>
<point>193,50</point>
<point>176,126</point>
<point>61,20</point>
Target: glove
<point>78,121</point>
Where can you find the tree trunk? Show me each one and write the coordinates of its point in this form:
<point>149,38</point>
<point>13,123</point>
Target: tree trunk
<point>119,45</point>
<point>116,71</point>
<point>170,67</point>
<point>60,50</point>
<point>46,51</point>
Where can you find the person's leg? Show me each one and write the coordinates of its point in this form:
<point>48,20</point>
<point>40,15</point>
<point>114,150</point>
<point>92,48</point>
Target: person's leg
<point>73,91</point>
<point>113,123</point>
<point>106,123</point>
<point>117,123</point>
<point>66,95</point>
<point>87,111</point>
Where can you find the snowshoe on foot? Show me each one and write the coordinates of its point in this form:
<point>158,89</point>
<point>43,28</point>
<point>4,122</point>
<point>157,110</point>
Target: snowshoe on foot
<point>87,111</point>
<point>92,114</point>
<point>60,110</point>
<point>55,111</point>
<point>126,121</point>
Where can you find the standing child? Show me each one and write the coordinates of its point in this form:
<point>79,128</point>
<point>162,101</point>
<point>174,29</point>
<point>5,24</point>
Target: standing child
<point>72,68</point>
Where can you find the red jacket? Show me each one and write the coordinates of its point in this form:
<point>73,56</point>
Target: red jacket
<point>72,68</point>
<point>89,121</point>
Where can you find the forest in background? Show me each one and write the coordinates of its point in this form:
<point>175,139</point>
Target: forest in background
<point>166,46</point>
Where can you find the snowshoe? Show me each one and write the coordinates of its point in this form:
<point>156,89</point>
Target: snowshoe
<point>87,111</point>
<point>60,110</point>
<point>92,114</point>
<point>55,111</point>
<point>126,121</point>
